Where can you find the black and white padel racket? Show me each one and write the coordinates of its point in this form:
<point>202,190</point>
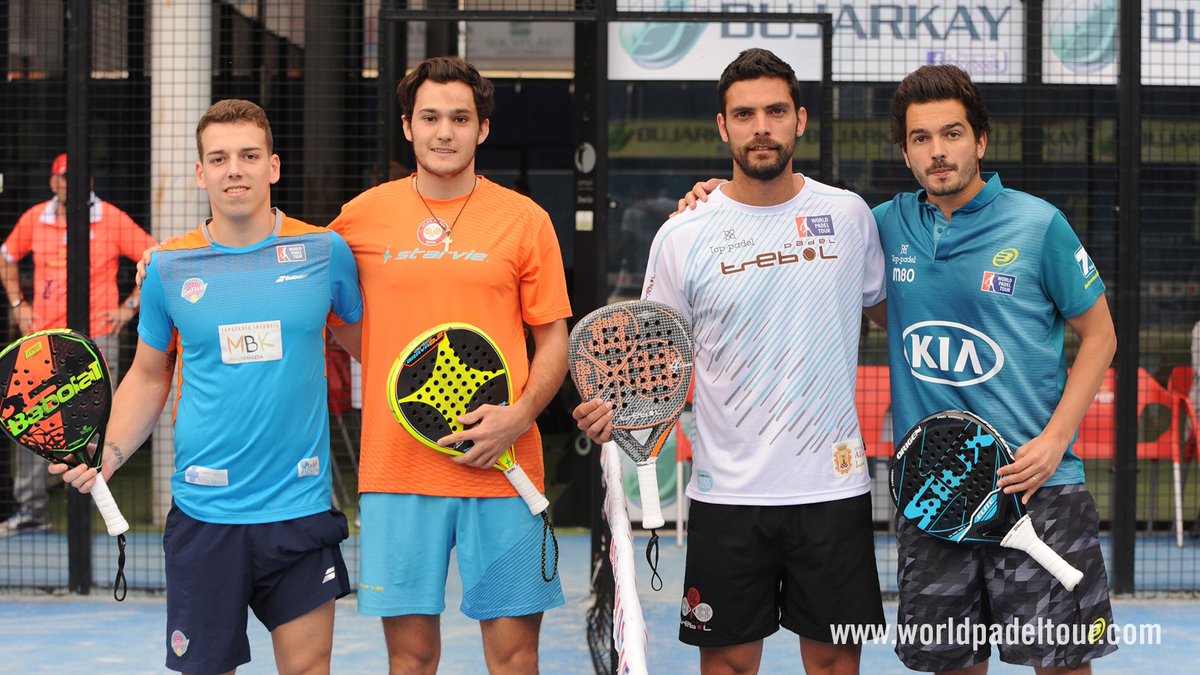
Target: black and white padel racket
<point>636,355</point>
<point>943,480</point>
<point>57,398</point>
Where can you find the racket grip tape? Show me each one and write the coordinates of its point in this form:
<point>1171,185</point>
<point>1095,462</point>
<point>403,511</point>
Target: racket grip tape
<point>113,520</point>
<point>535,500</point>
<point>1023,537</point>
<point>647,473</point>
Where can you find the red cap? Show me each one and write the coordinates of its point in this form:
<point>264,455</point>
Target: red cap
<point>59,167</point>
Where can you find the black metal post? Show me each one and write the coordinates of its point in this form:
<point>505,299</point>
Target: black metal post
<point>1129,277</point>
<point>79,72</point>
<point>826,149</point>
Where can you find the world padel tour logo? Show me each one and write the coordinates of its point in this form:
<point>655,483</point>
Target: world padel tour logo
<point>814,226</point>
<point>1084,35</point>
<point>655,46</point>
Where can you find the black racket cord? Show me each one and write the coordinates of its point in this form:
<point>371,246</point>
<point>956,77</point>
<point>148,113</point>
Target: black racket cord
<point>120,587</point>
<point>548,527</point>
<point>656,581</point>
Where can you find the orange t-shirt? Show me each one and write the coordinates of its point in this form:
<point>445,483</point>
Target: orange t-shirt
<point>44,234</point>
<point>503,269</point>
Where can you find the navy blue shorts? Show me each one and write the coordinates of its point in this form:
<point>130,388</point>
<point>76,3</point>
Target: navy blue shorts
<point>281,570</point>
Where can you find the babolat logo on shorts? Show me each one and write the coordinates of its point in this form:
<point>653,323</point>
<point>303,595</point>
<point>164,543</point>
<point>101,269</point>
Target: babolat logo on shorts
<point>289,253</point>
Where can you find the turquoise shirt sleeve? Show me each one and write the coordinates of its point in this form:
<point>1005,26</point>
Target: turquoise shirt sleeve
<point>154,322</point>
<point>1070,277</point>
<point>343,281</point>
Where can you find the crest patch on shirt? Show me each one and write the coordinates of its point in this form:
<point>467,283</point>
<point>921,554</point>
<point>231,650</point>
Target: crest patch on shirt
<point>193,289</point>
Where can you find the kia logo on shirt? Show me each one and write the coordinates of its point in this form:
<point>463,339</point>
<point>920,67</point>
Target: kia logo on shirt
<point>945,352</point>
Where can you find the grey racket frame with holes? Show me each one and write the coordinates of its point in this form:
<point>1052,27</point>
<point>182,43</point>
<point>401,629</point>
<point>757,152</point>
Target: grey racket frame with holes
<point>636,355</point>
<point>943,480</point>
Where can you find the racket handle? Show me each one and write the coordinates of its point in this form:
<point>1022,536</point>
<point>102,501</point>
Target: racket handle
<point>113,520</point>
<point>1023,537</point>
<point>647,473</point>
<point>535,500</point>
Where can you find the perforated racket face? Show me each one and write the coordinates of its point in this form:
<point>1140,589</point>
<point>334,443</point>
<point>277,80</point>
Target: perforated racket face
<point>637,356</point>
<point>57,394</point>
<point>943,479</point>
<point>444,373</point>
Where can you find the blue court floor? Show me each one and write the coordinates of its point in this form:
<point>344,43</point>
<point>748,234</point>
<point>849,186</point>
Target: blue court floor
<point>73,634</point>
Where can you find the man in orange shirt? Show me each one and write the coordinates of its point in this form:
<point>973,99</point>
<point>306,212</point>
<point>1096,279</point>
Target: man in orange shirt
<point>448,245</point>
<point>42,233</point>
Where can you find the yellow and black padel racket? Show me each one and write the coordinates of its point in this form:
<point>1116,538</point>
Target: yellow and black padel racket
<point>446,372</point>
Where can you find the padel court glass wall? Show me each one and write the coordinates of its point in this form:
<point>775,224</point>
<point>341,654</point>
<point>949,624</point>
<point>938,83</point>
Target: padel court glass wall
<point>1095,118</point>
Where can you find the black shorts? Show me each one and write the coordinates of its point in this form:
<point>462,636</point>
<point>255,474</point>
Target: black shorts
<point>752,569</point>
<point>943,583</point>
<point>281,570</point>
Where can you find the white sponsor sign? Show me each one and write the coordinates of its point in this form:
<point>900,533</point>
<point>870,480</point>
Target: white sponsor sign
<point>873,40</point>
<point>1081,42</point>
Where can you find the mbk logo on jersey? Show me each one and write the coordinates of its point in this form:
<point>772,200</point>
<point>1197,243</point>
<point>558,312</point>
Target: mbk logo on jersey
<point>251,342</point>
<point>290,253</point>
<point>944,352</point>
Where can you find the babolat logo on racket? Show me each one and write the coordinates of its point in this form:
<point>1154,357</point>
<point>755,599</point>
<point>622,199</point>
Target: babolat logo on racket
<point>20,422</point>
<point>423,349</point>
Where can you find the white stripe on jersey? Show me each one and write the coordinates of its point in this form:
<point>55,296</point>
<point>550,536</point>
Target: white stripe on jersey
<point>776,318</point>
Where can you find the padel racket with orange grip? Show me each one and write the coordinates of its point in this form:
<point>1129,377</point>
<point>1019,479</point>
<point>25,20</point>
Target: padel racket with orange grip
<point>943,480</point>
<point>636,355</point>
<point>56,399</point>
<point>446,372</point>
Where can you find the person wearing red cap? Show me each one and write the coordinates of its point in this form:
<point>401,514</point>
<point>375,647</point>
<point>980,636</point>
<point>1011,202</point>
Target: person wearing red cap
<point>42,233</point>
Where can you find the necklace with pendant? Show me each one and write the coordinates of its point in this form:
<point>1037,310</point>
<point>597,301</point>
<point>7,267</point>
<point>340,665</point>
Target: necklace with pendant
<point>445,230</point>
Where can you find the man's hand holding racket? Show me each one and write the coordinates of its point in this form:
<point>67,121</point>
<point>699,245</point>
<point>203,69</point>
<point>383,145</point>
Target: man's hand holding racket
<point>1035,463</point>
<point>595,418</point>
<point>491,430</point>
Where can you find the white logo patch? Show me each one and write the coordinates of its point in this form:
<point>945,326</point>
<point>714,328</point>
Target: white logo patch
<point>199,475</point>
<point>193,289</point>
<point>179,643</point>
<point>330,575</point>
<point>945,352</point>
<point>251,342</point>
<point>290,277</point>
<point>289,253</point>
<point>309,466</point>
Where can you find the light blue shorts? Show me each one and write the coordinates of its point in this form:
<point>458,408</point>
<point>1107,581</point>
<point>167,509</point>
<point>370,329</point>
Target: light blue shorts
<point>405,556</point>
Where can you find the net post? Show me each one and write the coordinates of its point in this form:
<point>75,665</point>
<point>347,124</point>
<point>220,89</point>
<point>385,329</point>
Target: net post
<point>79,73</point>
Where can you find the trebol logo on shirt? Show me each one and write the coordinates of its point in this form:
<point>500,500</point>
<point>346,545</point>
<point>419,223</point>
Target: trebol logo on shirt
<point>815,243</point>
<point>954,354</point>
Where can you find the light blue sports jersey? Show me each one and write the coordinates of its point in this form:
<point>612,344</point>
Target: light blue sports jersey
<point>251,418</point>
<point>977,308</point>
